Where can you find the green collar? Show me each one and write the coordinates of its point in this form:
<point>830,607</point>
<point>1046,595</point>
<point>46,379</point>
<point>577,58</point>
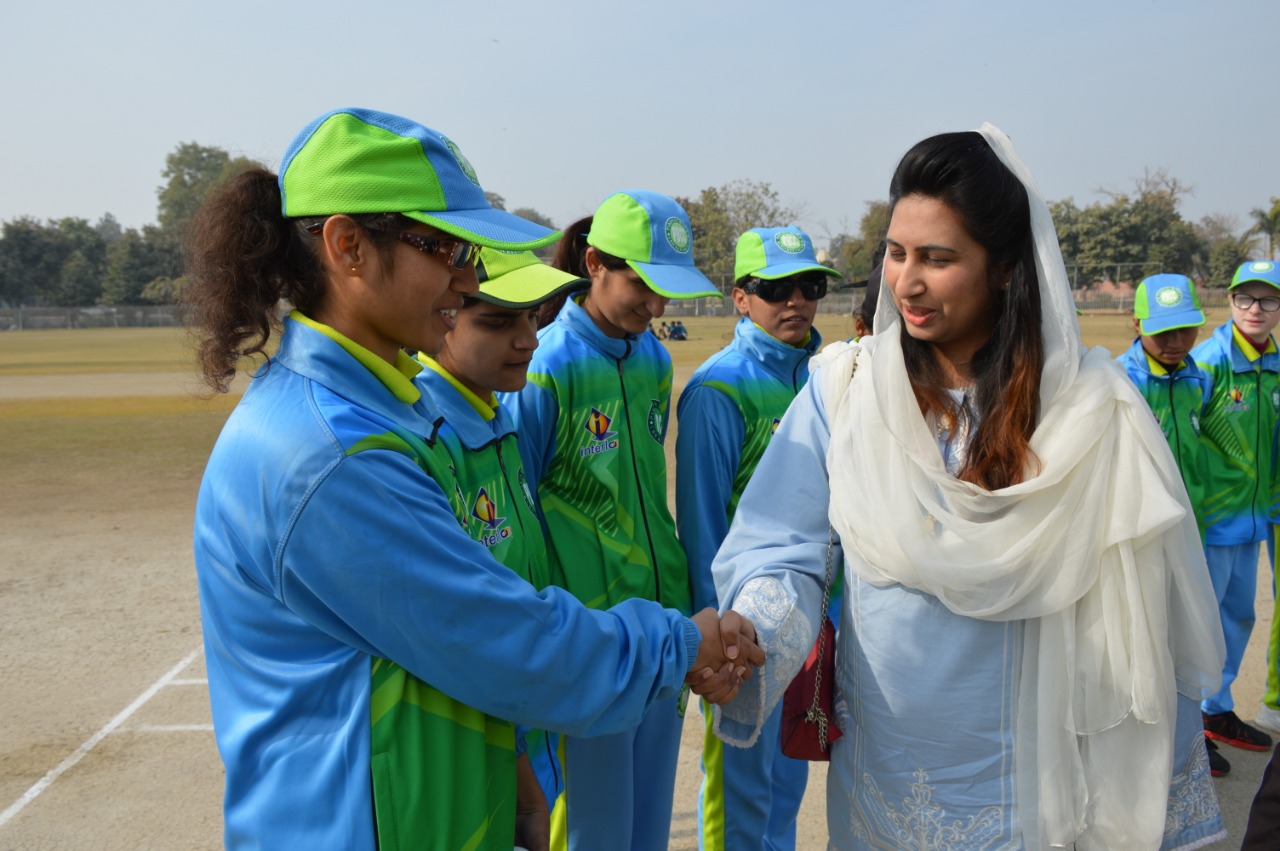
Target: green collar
<point>486,410</point>
<point>397,377</point>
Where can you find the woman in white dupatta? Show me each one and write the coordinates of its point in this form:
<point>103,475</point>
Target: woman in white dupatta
<point>1027,623</point>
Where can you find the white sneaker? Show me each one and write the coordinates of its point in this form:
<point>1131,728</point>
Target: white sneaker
<point>1268,718</point>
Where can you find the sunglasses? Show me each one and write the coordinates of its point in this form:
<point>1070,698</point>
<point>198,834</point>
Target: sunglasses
<point>456,252</point>
<point>812,287</point>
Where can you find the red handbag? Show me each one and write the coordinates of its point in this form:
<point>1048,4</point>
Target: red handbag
<point>808,713</point>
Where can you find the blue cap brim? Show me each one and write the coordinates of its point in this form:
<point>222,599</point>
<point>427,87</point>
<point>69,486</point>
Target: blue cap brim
<point>783,270</point>
<point>490,227</point>
<point>675,281</point>
<point>1169,321</point>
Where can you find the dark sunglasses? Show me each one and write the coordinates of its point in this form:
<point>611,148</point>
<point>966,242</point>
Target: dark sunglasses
<point>456,252</point>
<point>811,287</point>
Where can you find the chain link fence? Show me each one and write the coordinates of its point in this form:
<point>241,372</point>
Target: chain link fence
<point>43,318</point>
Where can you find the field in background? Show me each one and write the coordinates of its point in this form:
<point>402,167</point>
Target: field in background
<point>97,590</point>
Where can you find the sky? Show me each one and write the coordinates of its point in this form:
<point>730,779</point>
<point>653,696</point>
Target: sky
<point>558,104</point>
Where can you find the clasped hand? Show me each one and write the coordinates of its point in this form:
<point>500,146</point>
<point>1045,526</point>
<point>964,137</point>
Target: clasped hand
<point>727,655</point>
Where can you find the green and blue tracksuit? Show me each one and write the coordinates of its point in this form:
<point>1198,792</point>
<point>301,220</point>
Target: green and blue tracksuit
<point>591,425</point>
<point>1178,399</point>
<point>500,510</point>
<point>727,415</point>
<point>359,642</point>
<point>1240,498</point>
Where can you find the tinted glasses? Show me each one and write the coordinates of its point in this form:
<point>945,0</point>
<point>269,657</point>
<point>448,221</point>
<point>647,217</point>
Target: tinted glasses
<point>456,252</point>
<point>812,286</point>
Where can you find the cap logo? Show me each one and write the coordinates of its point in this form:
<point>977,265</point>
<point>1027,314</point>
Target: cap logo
<point>1262,266</point>
<point>1168,297</point>
<point>678,235</point>
<point>463,162</point>
<point>792,243</point>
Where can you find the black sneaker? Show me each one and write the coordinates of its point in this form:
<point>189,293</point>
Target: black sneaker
<point>1218,764</point>
<point>1227,727</point>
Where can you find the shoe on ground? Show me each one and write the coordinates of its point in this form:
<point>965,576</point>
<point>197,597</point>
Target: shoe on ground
<point>1268,718</point>
<point>1228,728</point>
<point>1218,764</point>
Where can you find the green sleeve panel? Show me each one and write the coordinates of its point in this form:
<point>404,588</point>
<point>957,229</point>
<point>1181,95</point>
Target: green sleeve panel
<point>443,773</point>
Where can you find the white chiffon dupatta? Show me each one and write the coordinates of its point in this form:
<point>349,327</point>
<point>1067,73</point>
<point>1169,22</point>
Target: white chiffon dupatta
<point>1097,551</point>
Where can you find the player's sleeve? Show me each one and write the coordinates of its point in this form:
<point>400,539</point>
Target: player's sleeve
<point>377,560</point>
<point>708,452</point>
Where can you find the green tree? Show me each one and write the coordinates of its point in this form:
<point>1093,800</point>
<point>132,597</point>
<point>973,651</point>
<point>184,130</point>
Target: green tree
<point>495,200</point>
<point>1131,235</point>
<point>720,214</point>
<point>190,173</point>
<point>31,258</point>
<point>133,261</point>
<point>855,255</point>
<point>84,262</point>
<point>1266,223</point>
<point>1225,256</point>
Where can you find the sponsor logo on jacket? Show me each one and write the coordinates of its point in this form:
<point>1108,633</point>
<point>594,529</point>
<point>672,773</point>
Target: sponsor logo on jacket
<point>603,439</point>
<point>485,510</point>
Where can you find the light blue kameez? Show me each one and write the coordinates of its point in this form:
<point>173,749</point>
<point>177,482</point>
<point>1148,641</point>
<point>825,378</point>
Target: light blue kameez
<point>926,698</point>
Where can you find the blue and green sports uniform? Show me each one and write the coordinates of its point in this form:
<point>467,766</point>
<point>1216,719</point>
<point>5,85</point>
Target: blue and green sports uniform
<point>1240,497</point>
<point>326,543</point>
<point>499,509</point>
<point>1178,399</point>
<point>591,423</point>
<point>727,415</point>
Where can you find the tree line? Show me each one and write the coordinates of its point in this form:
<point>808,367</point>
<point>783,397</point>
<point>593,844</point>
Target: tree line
<point>71,262</point>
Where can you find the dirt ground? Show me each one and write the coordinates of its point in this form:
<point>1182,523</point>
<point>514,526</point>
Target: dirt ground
<point>105,737</point>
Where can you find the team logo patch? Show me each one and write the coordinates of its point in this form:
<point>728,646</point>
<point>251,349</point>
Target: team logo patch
<point>603,439</point>
<point>527,491</point>
<point>774,428</point>
<point>654,420</point>
<point>1237,402</point>
<point>792,243</point>
<point>1261,266</point>
<point>463,162</point>
<point>1168,297</point>
<point>1195,421</point>
<point>678,236</point>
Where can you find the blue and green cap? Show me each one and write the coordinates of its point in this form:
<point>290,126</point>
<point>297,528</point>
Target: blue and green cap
<point>519,280</point>
<point>1165,302</point>
<point>652,233</point>
<point>1256,270</point>
<point>363,161</point>
<point>772,253</point>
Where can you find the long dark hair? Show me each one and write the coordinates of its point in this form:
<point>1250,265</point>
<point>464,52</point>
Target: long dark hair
<point>244,259</point>
<point>963,172</point>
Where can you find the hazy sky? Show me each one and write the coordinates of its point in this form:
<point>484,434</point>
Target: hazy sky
<point>557,104</point>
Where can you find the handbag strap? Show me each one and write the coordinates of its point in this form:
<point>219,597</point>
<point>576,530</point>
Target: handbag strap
<point>815,713</point>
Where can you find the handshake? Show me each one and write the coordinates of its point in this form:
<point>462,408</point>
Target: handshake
<point>726,656</point>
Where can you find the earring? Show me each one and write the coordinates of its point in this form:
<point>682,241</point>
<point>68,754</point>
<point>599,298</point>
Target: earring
<point>354,269</point>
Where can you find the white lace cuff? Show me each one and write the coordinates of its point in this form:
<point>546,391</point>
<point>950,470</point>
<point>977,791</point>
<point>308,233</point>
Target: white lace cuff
<point>786,634</point>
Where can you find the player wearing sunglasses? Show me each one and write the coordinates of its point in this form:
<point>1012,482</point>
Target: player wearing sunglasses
<point>727,414</point>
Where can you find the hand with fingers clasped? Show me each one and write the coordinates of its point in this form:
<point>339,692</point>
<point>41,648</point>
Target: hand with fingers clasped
<point>726,657</point>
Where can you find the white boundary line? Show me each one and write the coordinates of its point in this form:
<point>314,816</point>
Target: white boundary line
<point>80,752</point>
